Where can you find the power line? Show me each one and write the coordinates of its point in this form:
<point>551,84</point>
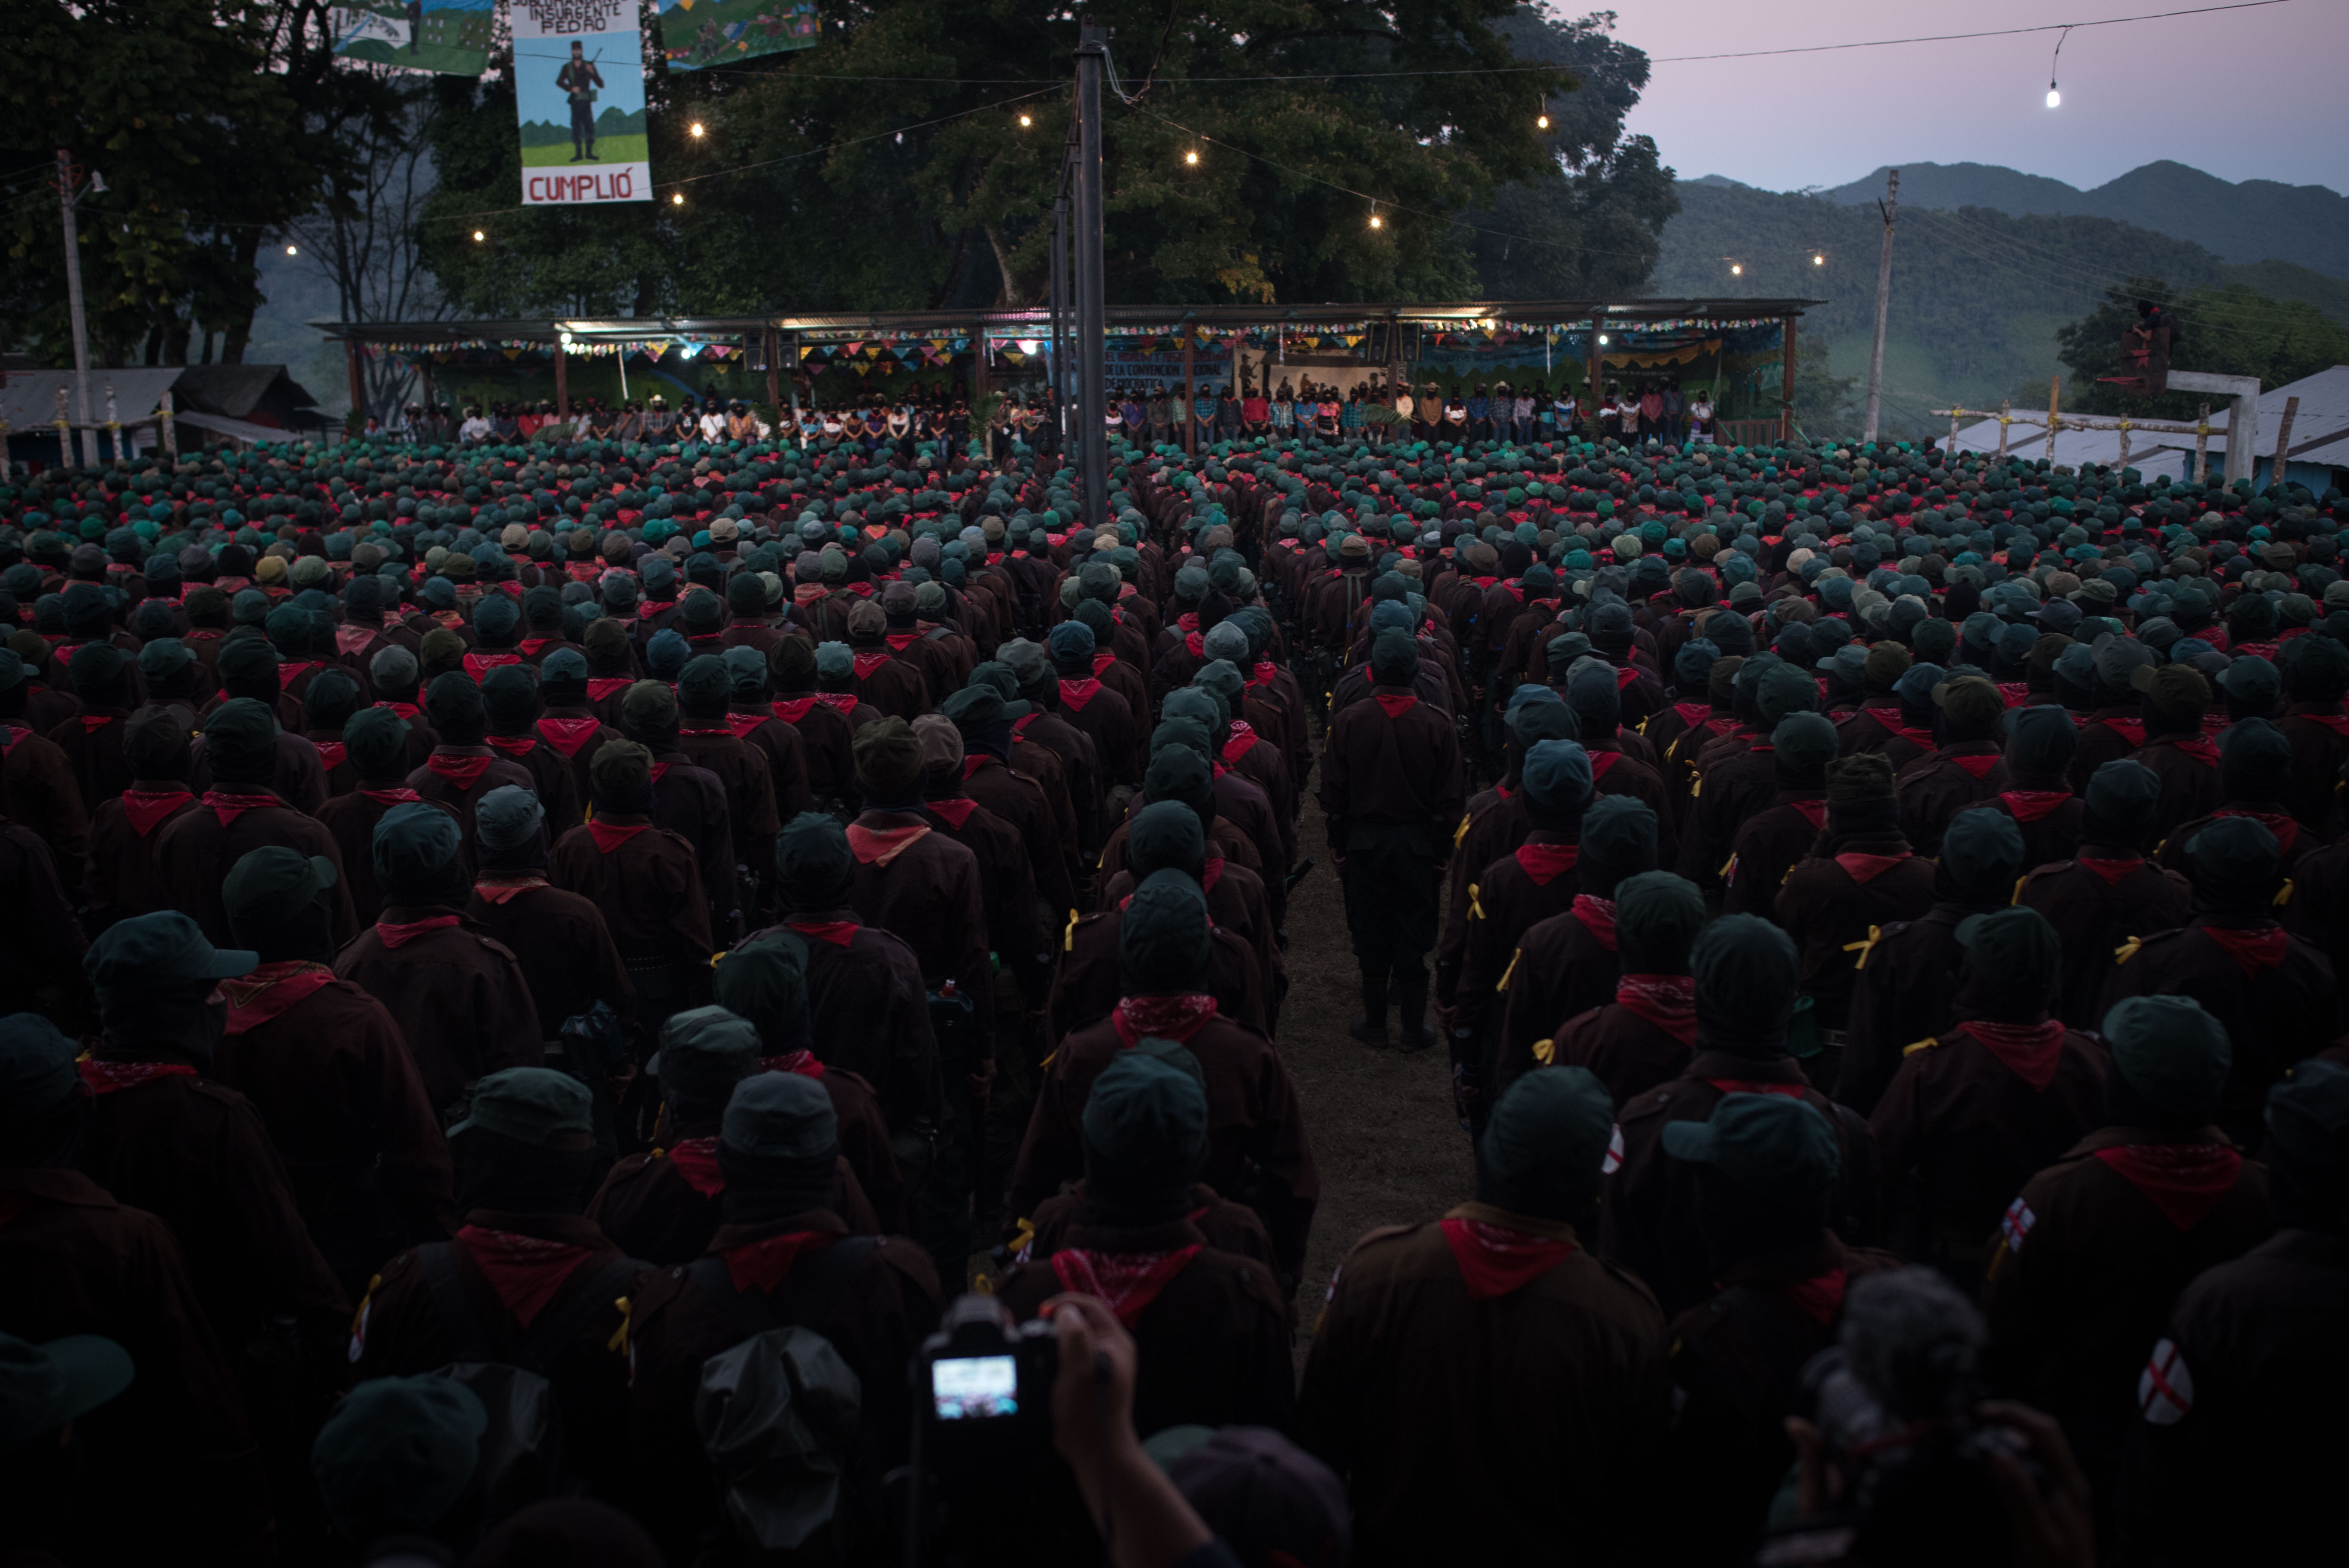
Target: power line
<point>1953,37</point>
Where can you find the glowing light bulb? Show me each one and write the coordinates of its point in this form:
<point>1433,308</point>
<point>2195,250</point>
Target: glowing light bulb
<point>1602,340</point>
<point>1543,122</point>
<point>1818,260</point>
<point>2054,98</point>
<point>292,252</point>
<point>1191,157</point>
<point>1376,221</point>
<point>1025,120</point>
<point>678,199</point>
<point>479,236</point>
<point>1736,271</point>
<point>696,129</point>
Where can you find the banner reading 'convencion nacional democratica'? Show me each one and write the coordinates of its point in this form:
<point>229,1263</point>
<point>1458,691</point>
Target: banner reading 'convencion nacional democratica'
<point>579,98</point>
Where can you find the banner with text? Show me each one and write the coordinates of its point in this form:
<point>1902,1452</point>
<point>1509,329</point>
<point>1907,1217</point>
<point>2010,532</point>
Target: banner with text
<point>698,33</point>
<point>450,37</point>
<point>579,96</point>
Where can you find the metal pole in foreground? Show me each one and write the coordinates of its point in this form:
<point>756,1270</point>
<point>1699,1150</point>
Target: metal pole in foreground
<point>73,305</point>
<point>1888,206</point>
<point>1061,319</point>
<point>1092,390</point>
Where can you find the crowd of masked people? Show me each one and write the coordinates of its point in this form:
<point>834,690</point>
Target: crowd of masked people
<point>535,977</point>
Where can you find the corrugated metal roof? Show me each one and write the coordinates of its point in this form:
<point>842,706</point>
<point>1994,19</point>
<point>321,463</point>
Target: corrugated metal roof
<point>30,398</point>
<point>2321,421</point>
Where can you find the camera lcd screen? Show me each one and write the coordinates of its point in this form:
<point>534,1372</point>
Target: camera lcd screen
<point>972,1388</point>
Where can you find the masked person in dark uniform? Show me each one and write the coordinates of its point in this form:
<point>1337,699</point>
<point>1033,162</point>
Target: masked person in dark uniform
<point>707,741</point>
<point>1906,984</point>
<point>984,720</point>
<point>1392,787</point>
<point>1261,1155</point>
<point>782,1257</point>
<point>1774,838</point>
<point>768,989</point>
<point>560,938</point>
<point>2040,742</point>
<point>2254,771</point>
<point>2275,995</point>
<point>375,743</point>
<point>166,1138</point>
<point>1975,1108</point>
<point>240,812</point>
<point>645,879</point>
<point>1494,822</point>
<point>458,995</point>
<point>2094,1251</point>
<point>336,1086</point>
<point>528,1281</point>
<point>1744,970</point>
<point>463,767</point>
<point>2109,891</point>
<point>868,1011</point>
<point>1477,1379</point>
<point>1766,1168</point>
<point>1737,775</point>
<point>1862,876</point>
<point>121,879</point>
<point>688,799</point>
<point>662,1206</point>
<point>76,1261</point>
<point>2174,698</point>
<point>1646,1034</point>
<point>1212,1328</point>
<point>2252,1347</point>
<point>1968,769</point>
<point>1568,963</point>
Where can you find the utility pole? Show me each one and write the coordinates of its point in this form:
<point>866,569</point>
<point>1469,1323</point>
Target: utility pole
<point>66,173</point>
<point>1060,311</point>
<point>1092,390</point>
<point>1888,206</point>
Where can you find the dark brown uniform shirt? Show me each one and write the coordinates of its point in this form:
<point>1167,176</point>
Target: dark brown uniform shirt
<point>458,995</point>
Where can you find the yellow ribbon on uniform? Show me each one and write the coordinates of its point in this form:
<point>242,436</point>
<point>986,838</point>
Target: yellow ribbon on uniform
<point>1875,934</point>
<point>1023,1236</point>
<point>1461,830</point>
<point>1512,969</point>
<point>1928,1041</point>
<point>1546,1052</point>
<point>2283,893</point>
<point>2016,896</point>
<point>1475,910</point>
<point>1069,933</point>
<point>619,1340</point>
<point>2127,950</point>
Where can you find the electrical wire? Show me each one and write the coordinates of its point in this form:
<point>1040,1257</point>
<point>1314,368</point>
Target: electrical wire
<point>1953,37</point>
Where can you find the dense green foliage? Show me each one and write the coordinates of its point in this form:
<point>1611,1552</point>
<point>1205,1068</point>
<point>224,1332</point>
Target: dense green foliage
<point>2226,331</point>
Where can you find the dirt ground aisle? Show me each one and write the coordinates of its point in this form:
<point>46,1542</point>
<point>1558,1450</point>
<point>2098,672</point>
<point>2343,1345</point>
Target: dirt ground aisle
<point>1390,1149</point>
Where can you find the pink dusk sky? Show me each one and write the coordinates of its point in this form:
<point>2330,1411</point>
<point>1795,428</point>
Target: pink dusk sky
<point>2242,94</point>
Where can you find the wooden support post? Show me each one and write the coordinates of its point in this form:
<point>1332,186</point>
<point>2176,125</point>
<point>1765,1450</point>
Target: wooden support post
<point>774,370</point>
<point>170,428</point>
<point>1597,370</point>
<point>562,381</point>
<point>359,382</point>
<point>2125,443</point>
<point>2202,446</point>
<point>2284,441</point>
<point>1190,392</point>
<point>2054,418</point>
<point>1786,386</point>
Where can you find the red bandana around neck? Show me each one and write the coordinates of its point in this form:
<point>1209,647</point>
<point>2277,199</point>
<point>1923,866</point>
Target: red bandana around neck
<point>2185,1181</point>
<point>1667,1001</point>
<point>1101,661</point>
<point>395,797</point>
<point>1395,704</point>
<point>1076,694</point>
<point>866,664</point>
<point>803,1063</point>
<point>254,999</point>
<point>148,810</point>
<point>1864,868</point>
<point>515,745</point>
<point>2111,870</point>
<point>601,686</point>
<point>288,674</point>
<point>696,1160</point>
<point>2255,950</point>
<point>2202,748</point>
<point>1496,1260</point>
<point>400,935</point>
<point>1176,1018</point>
<point>2031,1050</point>
<point>106,1078</point>
<point>839,933</point>
<point>743,723</point>
<point>791,709</point>
<point>2031,805</point>
<point>1977,767</point>
<point>525,1271</point>
<point>229,805</point>
<point>882,846</point>
<point>1127,1282</point>
<point>567,736</point>
<point>954,813</point>
<point>504,892</point>
<point>1815,813</point>
<point>844,702</point>
<point>610,836</point>
<point>1545,864</point>
<point>2129,729</point>
<point>91,723</point>
<point>2286,830</point>
<point>761,1266</point>
<point>351,639</point>
<point>479,665</point>
<point>461,771</point>
<point>1598,917</point>
<point>1821,1295</point>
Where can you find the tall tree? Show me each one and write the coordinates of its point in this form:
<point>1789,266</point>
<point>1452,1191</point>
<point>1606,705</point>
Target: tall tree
<point>1591,222</point>
<point>2226,331</point>
<point>888,168</point>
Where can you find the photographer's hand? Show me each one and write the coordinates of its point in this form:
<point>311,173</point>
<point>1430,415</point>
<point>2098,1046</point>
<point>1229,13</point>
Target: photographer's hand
<point>2056,1529</point>
<point>1145,1520</point>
